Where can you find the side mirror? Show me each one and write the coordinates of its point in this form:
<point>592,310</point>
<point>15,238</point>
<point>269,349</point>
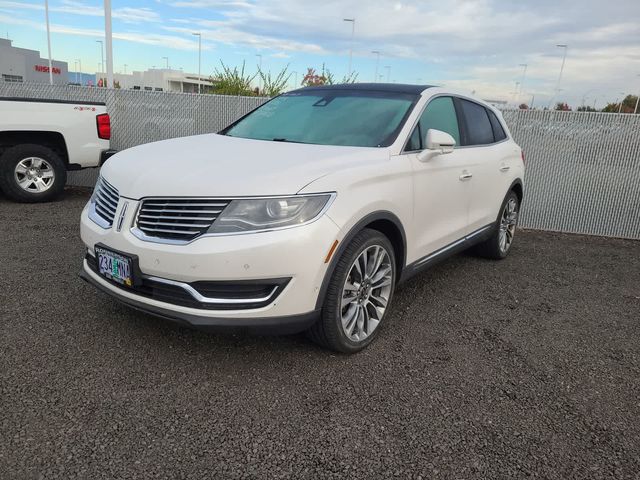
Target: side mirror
<point>437,143</point>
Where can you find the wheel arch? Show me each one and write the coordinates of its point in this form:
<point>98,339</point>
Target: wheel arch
<point>384,222</point>
<point>50,139</point>
<point>518,188</point>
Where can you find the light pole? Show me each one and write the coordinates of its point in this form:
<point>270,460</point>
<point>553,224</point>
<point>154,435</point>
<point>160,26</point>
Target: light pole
<point>635,109</point>
<point>259,55</point>
<point>108,37</point>
<point>199,35</point>
<point>377,54</point>
<point>166,59</point>
<point>353,29</point>
<point>388,67</point>
<point>101,56</point>
<point>46,13</point>
<point>621,101</point>
<point>564,58</point>
<point>515,93</point>
<point>524,75</point>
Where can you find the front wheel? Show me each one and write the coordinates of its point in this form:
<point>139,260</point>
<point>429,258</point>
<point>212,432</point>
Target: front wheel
<point>498,245</point>
<point>358,295</point>
<point>31,173</point>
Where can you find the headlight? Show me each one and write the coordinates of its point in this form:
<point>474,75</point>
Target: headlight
<point>269,213</point>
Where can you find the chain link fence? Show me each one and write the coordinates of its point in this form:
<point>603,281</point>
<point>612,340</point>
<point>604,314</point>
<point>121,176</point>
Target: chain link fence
<point>583,169</point>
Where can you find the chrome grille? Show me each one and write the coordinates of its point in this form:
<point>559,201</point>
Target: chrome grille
<point>178,218</point>
<point>104,203</point>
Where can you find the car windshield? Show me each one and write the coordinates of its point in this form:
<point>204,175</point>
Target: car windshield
<point>328,117</point>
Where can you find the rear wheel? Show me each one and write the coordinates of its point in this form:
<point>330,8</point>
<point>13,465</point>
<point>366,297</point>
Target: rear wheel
<point>498,245</point>
<point>31,173</point>
<point>358,295</point>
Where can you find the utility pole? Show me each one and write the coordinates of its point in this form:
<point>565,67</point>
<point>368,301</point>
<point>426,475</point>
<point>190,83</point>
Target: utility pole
<point>46,13</point>
<point>353,29</point>
<point>377,54</point>
<point>109,38</point>
<point>635,109</point>
<point>199,35</point>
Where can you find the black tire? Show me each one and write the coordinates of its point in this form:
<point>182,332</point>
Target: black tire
<point>490,248</point>
<point>328,331</point>
<point>9,184</point>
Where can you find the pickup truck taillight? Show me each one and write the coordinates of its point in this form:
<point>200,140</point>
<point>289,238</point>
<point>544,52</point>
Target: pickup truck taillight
<point>104,126</point>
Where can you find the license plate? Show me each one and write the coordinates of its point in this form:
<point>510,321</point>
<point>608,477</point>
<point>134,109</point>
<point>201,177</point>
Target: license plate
<point>114,266</point>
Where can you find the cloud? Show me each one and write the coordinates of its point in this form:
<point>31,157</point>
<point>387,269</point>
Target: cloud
<point>125,14</point>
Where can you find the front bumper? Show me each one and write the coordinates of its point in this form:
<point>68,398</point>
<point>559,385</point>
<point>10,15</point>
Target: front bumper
<point>272,325</point>
<point>296,254</point>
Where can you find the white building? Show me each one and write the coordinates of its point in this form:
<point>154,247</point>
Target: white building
<point>161,80</point>
<point>22,65</point>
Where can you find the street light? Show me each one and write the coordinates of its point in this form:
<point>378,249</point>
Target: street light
<point>564,58</point>
<point>621,100</point>
<point>46,13</point>
<point>199,35</point>
<point>377,54</point>
<point>259,55</point>
<point>166,59</point>
<point>353,29</point>
<point>524,75</point>
<point>635,110</point>
<point>101,56</point>
<point>388,67</point>
<point>80,68</point>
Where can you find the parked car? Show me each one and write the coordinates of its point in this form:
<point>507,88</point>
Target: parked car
<point>40,140</point>
<point>306,213</point>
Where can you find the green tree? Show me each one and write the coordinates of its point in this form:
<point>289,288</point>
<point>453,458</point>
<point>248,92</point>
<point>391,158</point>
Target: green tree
<point>228,81</point>
<point>563,107</point>
<point>628,105</point>
<point>273,85</point>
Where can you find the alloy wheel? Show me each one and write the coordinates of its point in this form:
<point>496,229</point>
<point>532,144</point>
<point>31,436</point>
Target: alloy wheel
<point>34,175</point>
<point>366,293</point>
<point>508,225</point>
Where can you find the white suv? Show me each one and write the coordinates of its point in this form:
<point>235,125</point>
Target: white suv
<point>306,213</point>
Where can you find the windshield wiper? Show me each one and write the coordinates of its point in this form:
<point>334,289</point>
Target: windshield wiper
<point>284,140</point>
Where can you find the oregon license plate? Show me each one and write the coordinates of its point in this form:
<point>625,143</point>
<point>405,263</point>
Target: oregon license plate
<point>114,266</point>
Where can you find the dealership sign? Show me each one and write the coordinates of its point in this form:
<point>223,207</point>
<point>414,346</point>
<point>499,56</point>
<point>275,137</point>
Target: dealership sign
<point>45,69</point>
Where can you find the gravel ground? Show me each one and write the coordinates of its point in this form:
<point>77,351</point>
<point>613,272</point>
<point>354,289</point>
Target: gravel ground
<point>528,367</point>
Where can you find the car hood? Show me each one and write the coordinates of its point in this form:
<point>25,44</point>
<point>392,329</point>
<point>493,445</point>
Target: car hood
<point>215,165</point>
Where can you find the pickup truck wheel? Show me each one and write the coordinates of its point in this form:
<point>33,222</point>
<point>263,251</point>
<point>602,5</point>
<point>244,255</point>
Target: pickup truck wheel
<point>32,173</point>
<point>358,295</point>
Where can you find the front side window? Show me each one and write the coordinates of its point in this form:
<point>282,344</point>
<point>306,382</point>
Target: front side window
<point>440,114</point>
<point>479,130</point>
<point>356,118</point>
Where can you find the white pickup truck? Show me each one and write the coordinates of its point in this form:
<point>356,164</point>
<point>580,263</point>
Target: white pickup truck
<point>40,140</point>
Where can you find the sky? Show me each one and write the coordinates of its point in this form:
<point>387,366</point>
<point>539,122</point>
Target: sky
<point>471,45</point>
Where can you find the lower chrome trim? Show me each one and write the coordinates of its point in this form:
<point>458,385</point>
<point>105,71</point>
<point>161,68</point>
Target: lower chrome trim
<point>452,245</point>
<point>202,299</point>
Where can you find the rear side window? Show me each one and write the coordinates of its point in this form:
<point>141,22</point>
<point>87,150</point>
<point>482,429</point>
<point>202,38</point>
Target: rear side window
<point>440,114</point>
<point>498,131</point>
<point>479,130</point>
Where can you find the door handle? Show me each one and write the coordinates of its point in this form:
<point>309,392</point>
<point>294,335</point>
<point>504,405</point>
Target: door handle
<point>505,168</point>
<point>465,176</point>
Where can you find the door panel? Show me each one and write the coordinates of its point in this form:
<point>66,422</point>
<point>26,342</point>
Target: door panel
<point>441,201</point>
